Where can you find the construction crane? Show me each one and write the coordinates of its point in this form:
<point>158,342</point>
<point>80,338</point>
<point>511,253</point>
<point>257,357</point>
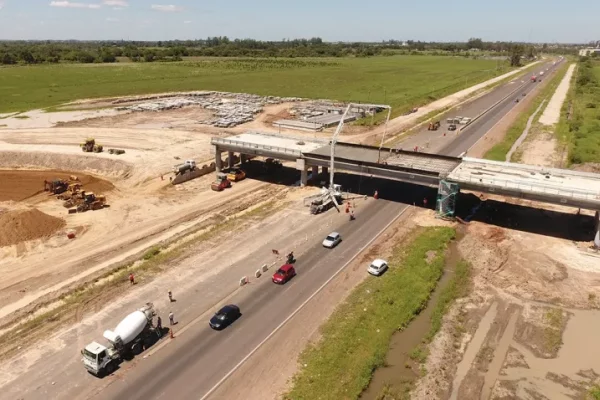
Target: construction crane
<point>339,130</point>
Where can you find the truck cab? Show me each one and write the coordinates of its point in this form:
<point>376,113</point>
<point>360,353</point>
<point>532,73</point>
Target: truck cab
<point>97,359</point>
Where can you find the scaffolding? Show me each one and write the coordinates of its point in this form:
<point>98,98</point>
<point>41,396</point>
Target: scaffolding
<point>446,199</point>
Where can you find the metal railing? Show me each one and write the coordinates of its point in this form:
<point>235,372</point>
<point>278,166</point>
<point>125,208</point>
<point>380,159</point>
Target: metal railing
<point>526,187</point>
<point>245,145</point>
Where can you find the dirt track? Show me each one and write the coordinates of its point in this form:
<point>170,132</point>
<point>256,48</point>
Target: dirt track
<point>21,185</point>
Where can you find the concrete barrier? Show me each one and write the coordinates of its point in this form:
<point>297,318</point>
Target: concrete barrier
<point>257,274</point>
<point>196,173</point>
<point>265,268</point>
<point>243,281</point>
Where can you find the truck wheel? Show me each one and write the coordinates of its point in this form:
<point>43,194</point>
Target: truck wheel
<point>137,349</point>
<point>109,369</point>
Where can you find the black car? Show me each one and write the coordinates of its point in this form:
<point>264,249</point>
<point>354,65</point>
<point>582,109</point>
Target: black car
<point>225,317</point>
<point>452,127</point>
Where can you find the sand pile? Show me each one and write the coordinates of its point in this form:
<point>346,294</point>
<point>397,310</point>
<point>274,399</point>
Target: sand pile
<point>22,225</point>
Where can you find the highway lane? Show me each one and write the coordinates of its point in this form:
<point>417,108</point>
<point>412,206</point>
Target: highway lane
<point>476,130</point>
<point>197,360</point>
<point>435,142</point>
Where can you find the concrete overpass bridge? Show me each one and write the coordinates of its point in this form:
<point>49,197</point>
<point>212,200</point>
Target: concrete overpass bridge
<point>449,174</point>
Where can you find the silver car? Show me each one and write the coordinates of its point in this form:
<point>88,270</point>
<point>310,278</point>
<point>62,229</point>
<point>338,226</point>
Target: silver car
<point>332,240</point>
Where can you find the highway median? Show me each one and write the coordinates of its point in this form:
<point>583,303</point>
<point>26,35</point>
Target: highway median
<point>356,338</point>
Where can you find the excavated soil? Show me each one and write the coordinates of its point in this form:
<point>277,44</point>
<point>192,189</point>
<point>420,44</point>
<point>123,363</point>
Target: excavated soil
<point>23,184</point>
<point>23,225</point>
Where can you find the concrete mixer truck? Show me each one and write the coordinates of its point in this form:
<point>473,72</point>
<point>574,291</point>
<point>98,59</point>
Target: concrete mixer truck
<point>131,336</point>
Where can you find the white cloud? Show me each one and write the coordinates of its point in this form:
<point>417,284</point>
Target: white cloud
<point>166,8</point>
<point>70,4</point>
<point>110,19</point>
<point>187,22</point>
<point>119,3</point>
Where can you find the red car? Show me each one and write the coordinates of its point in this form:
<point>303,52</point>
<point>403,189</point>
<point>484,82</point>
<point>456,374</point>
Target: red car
<point>284,274</point>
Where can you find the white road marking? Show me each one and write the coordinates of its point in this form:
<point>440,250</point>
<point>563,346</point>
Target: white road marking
<point>296,311</point>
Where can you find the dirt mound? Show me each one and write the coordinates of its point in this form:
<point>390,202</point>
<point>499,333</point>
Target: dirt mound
<point>23,184</point>
<point>22,225</point>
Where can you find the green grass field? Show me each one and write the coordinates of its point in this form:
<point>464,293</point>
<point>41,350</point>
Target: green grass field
<point>579,127</point>
<point>402,81</point>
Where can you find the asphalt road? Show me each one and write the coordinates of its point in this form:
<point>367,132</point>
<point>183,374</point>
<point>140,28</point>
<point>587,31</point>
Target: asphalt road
<point>434,142</point>
<point>197,361</point>
<point>481,126</point>
<point>190,367</point>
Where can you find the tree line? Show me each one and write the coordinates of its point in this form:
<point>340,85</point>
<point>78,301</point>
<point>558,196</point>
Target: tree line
<point>40,52</point>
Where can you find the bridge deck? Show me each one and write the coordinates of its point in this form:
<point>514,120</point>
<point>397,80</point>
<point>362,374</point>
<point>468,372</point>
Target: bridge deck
<point>556,186</point>
<point>421,162</point>
<point>527,178</point>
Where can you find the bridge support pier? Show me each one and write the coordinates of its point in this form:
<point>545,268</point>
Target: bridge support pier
<point>218,160</point>
<point>243,158</point>
<point>303,176</point>
<point>597,230</point>
<point>325,170</point>
<point>315,172</point>
<point>230,160</point>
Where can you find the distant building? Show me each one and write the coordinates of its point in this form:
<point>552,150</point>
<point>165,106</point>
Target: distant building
<point>588,52</point>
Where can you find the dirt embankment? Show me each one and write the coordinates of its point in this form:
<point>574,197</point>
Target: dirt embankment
<point>23,184</point>
<point>22,225</point>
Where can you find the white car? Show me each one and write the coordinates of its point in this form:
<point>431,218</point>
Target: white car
<point>332,240</point>
<point>377,267</point>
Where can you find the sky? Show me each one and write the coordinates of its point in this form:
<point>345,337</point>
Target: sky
<point>572,21</point>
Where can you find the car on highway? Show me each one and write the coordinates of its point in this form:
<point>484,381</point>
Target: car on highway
<point>377,267</point>
<point>225,317</point>
<point>332,240</point>
<point>452,127</point>
<point>284,274</point>
<point>236,175</point>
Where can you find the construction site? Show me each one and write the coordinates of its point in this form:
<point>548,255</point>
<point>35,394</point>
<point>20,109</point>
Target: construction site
<point>92,190</point>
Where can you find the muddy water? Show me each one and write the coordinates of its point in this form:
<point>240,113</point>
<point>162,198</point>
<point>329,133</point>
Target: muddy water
<point>397,359</point>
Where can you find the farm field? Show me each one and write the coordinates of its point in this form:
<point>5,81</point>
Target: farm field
<point>402,81</point>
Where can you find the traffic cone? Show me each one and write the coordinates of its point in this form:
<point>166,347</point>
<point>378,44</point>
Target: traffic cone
<point>171,333</point>
<point>376,195</point>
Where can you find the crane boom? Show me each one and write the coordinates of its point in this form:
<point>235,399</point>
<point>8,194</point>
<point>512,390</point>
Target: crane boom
<point>333,142</point>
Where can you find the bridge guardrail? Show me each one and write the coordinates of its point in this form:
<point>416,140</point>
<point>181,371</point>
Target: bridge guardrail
<point>532,188</point>
<point>283,150</point>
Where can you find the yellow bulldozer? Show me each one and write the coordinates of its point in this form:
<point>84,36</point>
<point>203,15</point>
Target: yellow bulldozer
<point>85,202</point>
<point>72,191</point>
<point>90,146</point>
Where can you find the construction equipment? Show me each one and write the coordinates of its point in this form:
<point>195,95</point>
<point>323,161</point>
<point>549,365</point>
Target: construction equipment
<point>236,175</point>
<point>116,151</point>
<point>188,165</point>
<point>72,190</point>
<point>132,335</point>
<point>326,199</point>
<point>90,146</point>
<point>56,186</point>
<point>433,126</point>
<point>272,165</point>
<point>89,201</point>
<point>221,183</point>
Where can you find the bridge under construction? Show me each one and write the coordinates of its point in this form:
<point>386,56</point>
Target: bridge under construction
<point>450,174</point>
